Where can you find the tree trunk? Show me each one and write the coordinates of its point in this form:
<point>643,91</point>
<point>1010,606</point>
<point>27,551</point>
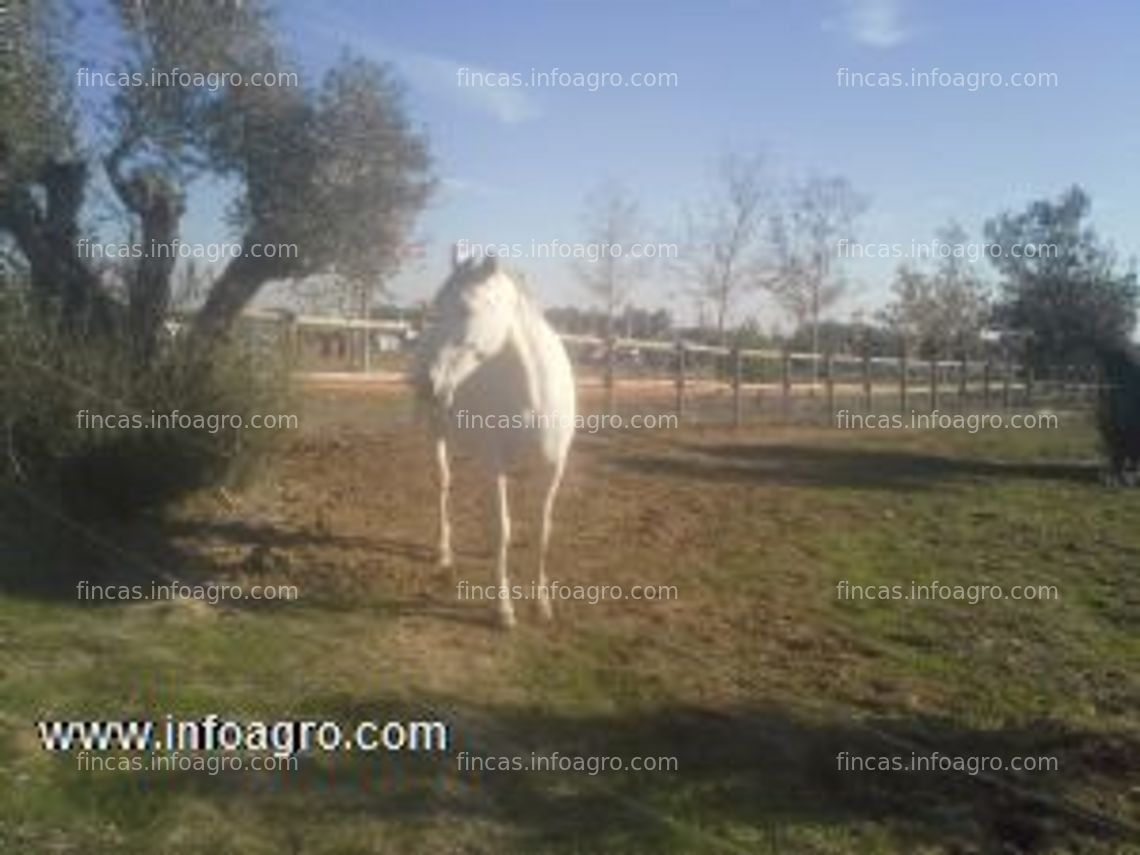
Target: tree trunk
<point>815,336</point>
<point>48,238</point>
<point>238,284</point>
<point>159,205</point>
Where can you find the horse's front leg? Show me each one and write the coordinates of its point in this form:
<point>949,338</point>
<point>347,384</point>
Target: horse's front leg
<point>544,543</point>
<point>506,608</point>
<point>444,466</point>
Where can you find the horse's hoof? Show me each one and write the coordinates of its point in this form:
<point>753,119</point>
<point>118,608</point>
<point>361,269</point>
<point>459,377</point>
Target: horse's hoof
<point>507,619</point>
<point>446,561</point>
<point>545,609</point>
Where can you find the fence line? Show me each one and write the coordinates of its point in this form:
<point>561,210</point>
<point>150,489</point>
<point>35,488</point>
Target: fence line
<point>703,382</point>
<point>740,381</point>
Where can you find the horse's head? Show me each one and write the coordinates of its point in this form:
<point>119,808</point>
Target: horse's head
<point>472,315</point>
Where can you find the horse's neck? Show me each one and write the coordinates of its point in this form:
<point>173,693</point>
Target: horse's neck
<point>525,337</point>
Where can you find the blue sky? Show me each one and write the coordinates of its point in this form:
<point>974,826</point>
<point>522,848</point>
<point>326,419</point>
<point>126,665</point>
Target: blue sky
<point>751,76</point>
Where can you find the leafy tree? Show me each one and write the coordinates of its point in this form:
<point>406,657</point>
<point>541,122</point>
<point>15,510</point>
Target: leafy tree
<point>912,314</point>
<point>340,176</point>
<point>635,322</point>
<point>613,223</point>
<point>723,236</point>
<point>963,297</point>
<point>853,338</point>
<point>940,313</point>
<point>1060,284</point>
<point>43,177</point>
<point>329,176</point>
<point>333,173</point>
<point>820,212</point>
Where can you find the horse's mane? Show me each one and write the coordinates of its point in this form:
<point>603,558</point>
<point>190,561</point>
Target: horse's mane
<point>518,277</point>
<point>528,300</point>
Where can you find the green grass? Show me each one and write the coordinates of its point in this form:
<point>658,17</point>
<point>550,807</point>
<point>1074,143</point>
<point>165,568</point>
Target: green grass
<point>755,679</point>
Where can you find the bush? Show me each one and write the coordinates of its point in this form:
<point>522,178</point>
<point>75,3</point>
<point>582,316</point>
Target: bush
<point>1118,408</point>
<point>91,470</point>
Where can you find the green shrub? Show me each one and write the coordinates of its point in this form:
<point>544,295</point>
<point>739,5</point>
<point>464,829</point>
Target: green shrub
<point>92,470</point>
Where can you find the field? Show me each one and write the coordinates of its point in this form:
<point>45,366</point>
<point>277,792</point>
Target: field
<point>755,677</point>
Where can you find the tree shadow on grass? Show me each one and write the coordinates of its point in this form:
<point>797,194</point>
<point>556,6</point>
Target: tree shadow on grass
<point>832,466</point>
<point>252,535</point>
<point>45,555</point>
<point>748,779</point>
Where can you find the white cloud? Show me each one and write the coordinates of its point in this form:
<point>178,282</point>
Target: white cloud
<point>434,75</point>
<point>508,104</point>
<point>454,185</point>
<point>874,23</point>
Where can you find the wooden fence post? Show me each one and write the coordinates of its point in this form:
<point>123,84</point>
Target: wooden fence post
<point>933,384</point>
<point>829,385</point>
<point>867,382</point>
<point>963,382</point>
<point>737,382</point>
<point>903,379</point>
<point>680,380</point>
<point>1007,379</point>
<point>608,375</point>
<point>292,341</point>
<point>786,378</point>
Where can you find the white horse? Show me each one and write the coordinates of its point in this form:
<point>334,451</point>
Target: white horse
<point>501,383</point>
